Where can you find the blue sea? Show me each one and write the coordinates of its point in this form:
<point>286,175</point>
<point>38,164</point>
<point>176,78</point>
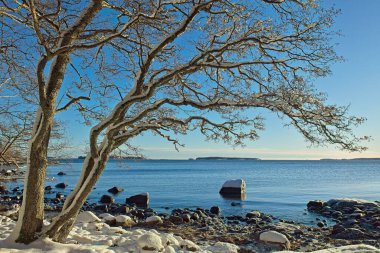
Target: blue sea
<point>280,188</point>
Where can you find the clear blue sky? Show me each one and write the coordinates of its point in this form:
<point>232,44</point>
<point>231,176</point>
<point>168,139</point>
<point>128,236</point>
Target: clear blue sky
<point>354,81</point>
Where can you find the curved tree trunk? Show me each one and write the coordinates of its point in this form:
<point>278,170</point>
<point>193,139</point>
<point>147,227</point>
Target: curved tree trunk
<point>31,215</point>
<point>61,226</point>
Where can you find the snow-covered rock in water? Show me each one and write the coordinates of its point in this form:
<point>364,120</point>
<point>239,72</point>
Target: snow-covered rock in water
<point>274,237</point>
<point>150,241</point>
<point>223,247</point>
<point>124,220</point>
<point>362,248</point>
<point>153,220</point>
<point>234,188</point>
<point>87,217</point>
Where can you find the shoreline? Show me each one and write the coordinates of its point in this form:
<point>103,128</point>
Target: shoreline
<point>356,222</point>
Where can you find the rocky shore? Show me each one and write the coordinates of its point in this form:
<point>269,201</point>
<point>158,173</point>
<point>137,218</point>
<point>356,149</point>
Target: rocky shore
<point>354,222</point>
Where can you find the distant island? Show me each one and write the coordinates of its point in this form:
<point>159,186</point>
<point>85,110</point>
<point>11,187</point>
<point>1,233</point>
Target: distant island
<point>112,157</point>
<point>224,158</point>
<point>352,159</point>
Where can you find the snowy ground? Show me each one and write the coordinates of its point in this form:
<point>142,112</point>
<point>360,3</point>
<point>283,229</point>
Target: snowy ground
<point>92,234</point>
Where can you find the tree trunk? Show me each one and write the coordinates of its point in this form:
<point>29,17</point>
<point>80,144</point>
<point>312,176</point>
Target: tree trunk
<point>31,215</point>
<point>61,226</point>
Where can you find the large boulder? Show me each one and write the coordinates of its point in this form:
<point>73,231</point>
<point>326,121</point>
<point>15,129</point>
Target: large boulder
<point>315,205</point>
<point>152,220</point>
<point>87,217</point>
<point>275,237</point>
<point>115,190</point>
<point>124,220</point>
<point>150,242</point>
<point>233,188</point>
<point>107,199</point>
<point>141,200</point>
<point>338,204</point>
<point>61,185</point>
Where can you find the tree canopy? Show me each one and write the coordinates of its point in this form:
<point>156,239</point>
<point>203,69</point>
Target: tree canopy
<point>168,67</point>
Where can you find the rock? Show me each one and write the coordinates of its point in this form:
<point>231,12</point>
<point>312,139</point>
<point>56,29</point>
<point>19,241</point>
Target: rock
<point>350,234</point>
<point>150,241</point>
<point>3,189</point>
<point>61,185</point>
<point>235,204</point>
<point>186,217</point>
<point>87,217</point>
<point>115,190</point>
<point>107,199</point>
<point>61,173</point>
<point>124,220</point>
<point>195,216</point>
<point>141,200</point>
<point>189,245</point>
<point>59,196</point>
<point>169,249</point>
<point>48,188</point>
<point>315,205</point>
<point>175,219</point>
<point>320,224</point>
<point>233,188</point>
<point>152,220</point>
<point>215,210</point>
<point>110,220</point>
<point>8,210</point>
<point>254,214</point>
<point>351,203</point>
<point>103,208</point>
<point>275,237</point>
<point>362,248</point>
<point>223,247</point>
<point>123,209</point>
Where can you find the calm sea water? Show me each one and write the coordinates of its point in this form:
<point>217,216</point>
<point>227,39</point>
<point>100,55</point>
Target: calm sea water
<point>281,188</point>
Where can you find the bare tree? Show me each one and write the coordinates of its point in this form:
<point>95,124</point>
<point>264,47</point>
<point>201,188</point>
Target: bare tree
<point>168,67</point>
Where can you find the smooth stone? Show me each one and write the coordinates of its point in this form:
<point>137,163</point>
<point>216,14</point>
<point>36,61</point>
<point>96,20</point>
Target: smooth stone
<point>141,200</point>
<point>149,241</point>
<point>124,220</point>
<point>253,214</point>
<point>61,185</point>
<point>87,217</point>
<point>115,190</point>
<point>152,220</point>
<point>274,237</point>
